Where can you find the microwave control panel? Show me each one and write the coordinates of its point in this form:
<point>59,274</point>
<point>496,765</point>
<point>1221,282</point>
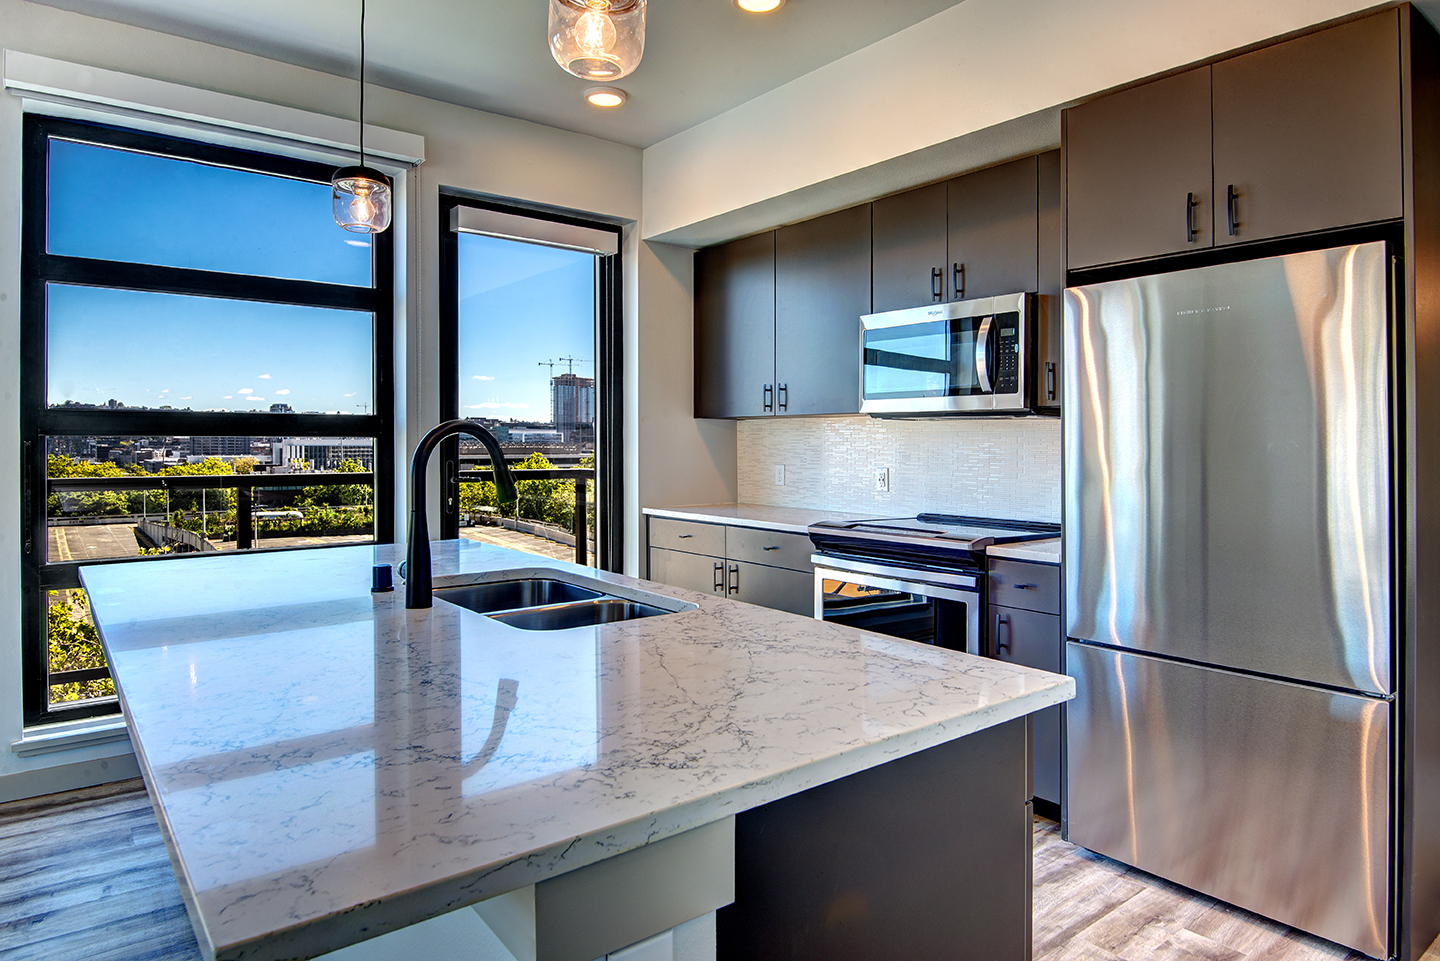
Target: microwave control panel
<point>1007,356</point>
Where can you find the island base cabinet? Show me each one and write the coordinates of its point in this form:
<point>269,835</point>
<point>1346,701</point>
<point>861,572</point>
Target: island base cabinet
<point>926,858</point>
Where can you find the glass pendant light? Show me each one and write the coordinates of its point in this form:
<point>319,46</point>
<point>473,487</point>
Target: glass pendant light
<point>360,194</point>
<point>597,39</point>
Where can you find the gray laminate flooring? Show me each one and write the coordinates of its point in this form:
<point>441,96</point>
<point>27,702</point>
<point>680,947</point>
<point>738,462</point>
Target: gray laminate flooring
<point>84,876</point>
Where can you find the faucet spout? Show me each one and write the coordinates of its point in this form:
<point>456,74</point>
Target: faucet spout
<point>417,561</point>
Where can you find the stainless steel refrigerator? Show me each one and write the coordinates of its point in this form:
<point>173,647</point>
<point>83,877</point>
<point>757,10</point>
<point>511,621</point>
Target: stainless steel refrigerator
<point>1230,560</point>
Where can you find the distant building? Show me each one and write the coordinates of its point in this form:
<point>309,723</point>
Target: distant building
<point>572,402</point>
<point>220,446</point>
<point>322,453</point>
<point>533,436</point>
<point>281,409</point>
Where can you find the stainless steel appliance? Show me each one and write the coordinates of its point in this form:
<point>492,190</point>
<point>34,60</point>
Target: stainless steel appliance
<point>971,356</point>
<point>921,578</point>
<point>1229,560</point>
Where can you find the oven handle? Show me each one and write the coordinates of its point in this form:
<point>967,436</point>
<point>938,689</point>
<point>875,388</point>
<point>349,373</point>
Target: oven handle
<point>970,598</point>
<point>847,567</point>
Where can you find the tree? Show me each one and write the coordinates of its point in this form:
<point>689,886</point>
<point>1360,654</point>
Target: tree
<point>74,645</point>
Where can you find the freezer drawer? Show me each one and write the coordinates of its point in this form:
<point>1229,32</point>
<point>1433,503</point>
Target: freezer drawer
<point>1266,794</point>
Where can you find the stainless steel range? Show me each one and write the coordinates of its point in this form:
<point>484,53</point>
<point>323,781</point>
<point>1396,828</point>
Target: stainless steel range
<point>921,578</point>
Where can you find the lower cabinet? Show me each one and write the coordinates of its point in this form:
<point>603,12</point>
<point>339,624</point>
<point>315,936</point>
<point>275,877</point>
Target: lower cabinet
<point>768,568</point>
<point>1024,628</point>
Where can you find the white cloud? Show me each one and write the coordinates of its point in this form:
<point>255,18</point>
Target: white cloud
<point>358,243</point>
<point>245,390</point>
<point>263,377</point>
<point>256,400</point>
<point>492,405</point>
<point>352,393</point>
<point>483,377</point>
<point>227,397</point>
<point>187,398</point>
<point>283,391</point>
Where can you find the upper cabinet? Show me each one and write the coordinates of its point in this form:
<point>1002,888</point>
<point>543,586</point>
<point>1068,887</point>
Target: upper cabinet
<point>910,260</point>
<point>1137,168</point>
<point>1303,135</point>
<point>735,328</point>
<point>1307,133</point>
<point>822,288</point>
<point>994,231</point>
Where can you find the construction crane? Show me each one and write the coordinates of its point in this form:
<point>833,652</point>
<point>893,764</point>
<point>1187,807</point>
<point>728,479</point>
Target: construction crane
<point>570,363</point>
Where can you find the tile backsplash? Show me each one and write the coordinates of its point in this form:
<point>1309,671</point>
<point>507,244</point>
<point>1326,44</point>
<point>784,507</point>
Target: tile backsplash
<point>1000,467</point>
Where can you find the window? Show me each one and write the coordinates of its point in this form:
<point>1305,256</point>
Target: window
<point>529,347</point>
<point>205,367</point>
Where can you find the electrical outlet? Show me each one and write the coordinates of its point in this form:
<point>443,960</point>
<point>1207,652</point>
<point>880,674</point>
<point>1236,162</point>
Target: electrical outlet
<point>779,475</point>
<point>882,479</point>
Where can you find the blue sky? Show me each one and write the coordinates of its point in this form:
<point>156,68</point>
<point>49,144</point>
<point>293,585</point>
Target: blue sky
<point>217,354</point>
<point>521,304</point>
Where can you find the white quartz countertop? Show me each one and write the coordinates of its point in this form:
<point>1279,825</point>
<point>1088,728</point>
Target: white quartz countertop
<point>796,520</point>
<point>1046,551</point>
<point>328,766</point>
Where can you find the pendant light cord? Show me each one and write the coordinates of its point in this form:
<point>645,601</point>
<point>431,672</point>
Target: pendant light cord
<point>362,83</point>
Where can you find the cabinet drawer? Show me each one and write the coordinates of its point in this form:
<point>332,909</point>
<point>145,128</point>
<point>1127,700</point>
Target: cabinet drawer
<point>772,548</point>
<point>687,536</point>
<point>1030,587</point>
<point>694,572</point>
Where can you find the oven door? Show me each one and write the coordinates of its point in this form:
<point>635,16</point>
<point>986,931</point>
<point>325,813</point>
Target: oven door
<point>901,603</point>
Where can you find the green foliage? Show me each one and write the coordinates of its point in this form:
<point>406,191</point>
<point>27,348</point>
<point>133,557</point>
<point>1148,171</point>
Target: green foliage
<point>74,645</point>
<point>547,501</point>
<point>338,495</point>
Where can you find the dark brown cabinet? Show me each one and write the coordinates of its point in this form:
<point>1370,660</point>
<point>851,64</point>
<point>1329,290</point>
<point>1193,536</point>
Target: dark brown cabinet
<point>993,231</point>
<point>1301,136</point>
<point>1025,629</point>
<point>735,328</point>
<point>1307,133</point>
<point>1050,277</point>
<point>1137,172</point>
<point>822,288</point>
<point>909,249</point>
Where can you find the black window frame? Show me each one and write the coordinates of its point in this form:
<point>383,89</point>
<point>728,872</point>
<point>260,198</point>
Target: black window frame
<point>39,267</point>
<point>609,365</point>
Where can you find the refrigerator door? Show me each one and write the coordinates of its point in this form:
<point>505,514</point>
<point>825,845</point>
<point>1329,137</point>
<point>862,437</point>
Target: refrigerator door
<point>1226,449</point>
<point>1266,794</point>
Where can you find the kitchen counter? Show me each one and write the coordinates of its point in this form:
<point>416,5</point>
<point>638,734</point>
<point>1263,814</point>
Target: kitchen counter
<point>1046,551</point>
<point>794,520</point>
<point>327,766</point>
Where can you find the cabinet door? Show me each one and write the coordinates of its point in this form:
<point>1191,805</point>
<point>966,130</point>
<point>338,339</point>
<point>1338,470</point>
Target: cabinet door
<point>909,264</point>
<point>695,572</point>
<point>1307,132</point>
<point>1033,640</point>
<point>993,231</point>
<point>822,288</point>
<point>1132,162</point>
<point>772,587</point>
<point>1050,329</point>
<point>735,328</point>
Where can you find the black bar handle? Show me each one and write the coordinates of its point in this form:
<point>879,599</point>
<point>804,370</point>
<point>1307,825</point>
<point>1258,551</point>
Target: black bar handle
<point>1000,646</point>
<point>1190,206</point>
<point>734,579</point>
<point>768,400</point>
<point>27,495</point>
<point>784,396</point>
<point>1232,208</point>
<point>719,577</point>
<point>582,523</point>
<point>959,277</point>
<point>937,283</point>
<point>1050,380</point>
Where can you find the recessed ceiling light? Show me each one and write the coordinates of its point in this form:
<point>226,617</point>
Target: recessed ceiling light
<point>759,6</point>
<point>605,96</point>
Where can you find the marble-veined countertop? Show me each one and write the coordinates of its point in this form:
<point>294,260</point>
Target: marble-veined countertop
<point>328,766</point>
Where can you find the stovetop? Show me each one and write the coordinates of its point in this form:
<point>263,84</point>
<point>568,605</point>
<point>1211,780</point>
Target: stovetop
<point>950,539</point>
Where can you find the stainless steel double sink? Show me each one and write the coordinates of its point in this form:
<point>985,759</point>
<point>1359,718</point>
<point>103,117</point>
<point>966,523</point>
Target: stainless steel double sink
<point>550,600</point>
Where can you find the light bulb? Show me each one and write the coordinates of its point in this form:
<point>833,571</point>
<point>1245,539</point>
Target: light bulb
<point>361,209</point>
<point>595,33</point>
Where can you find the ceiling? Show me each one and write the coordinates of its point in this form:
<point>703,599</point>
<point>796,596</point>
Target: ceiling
<point>702,57</point>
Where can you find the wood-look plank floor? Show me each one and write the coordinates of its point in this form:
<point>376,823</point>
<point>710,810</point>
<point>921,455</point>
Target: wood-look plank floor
<point>84,876</point>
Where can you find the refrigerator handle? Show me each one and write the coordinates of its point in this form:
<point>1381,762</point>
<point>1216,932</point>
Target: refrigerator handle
<point>982,355</point>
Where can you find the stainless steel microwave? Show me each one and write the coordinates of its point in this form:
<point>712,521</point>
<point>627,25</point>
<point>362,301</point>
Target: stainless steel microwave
<point>969,357</point>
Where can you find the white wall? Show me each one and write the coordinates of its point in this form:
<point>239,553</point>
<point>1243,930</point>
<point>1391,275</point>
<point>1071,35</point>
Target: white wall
<point>466,149</point>
<point>944,96</point>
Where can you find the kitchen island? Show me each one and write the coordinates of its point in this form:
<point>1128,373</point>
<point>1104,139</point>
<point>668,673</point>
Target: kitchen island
<point>327,766</point>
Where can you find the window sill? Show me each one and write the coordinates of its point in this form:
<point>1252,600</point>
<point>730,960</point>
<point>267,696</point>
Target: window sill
<point>69,734</point>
